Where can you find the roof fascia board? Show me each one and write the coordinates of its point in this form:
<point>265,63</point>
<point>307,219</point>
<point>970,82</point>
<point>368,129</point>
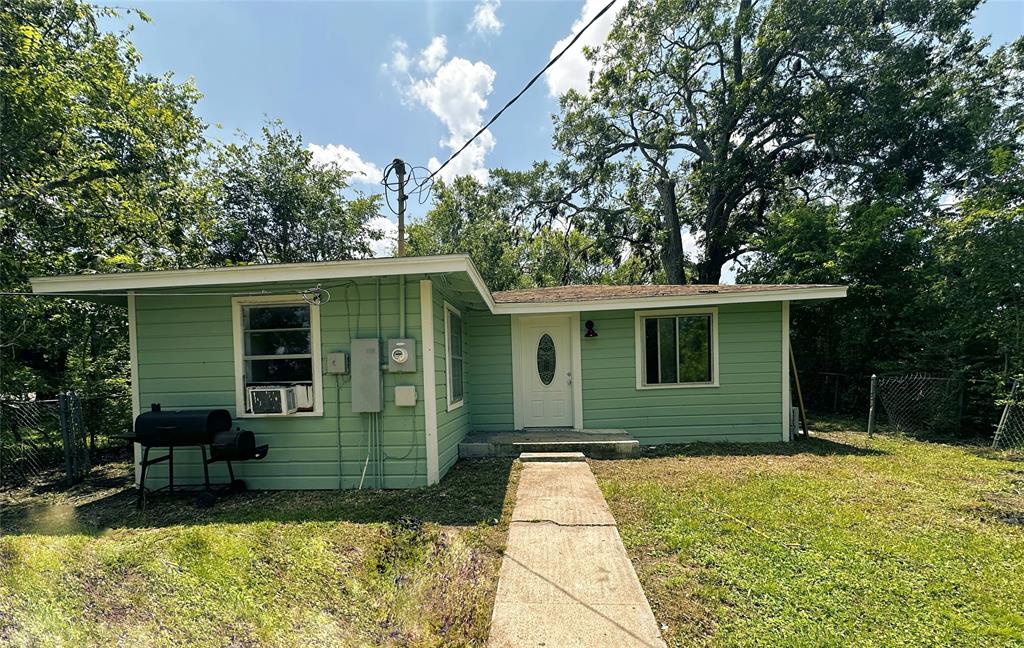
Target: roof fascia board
<point>241,275</point>
<point>796,294</point>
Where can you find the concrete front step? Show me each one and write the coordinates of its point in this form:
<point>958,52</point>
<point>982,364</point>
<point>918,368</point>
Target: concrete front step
<point>552,456</point>
<point>603,444</point>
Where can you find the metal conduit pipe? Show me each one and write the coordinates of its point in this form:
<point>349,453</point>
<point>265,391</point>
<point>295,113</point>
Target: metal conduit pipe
<point>401,306</point>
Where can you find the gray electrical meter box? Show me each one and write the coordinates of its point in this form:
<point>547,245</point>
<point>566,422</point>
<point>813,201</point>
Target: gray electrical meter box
<point>365,370</point>
<point>402,355</point>
<point>337,363</point>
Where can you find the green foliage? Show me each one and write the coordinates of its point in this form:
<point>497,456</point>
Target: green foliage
<point>488,223</point>
<point>707,115</point>
<point>936,289</point>
<point>97,175</point>
<point>274,205</point>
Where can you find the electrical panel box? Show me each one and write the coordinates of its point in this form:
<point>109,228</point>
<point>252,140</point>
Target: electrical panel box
<point>337,363</point>
<point>405,395</point>
<point>402,355</point>
<point>366,396</point>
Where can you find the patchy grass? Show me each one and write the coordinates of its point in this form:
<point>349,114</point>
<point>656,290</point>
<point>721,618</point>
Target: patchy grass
<point>409,568</point>
<point>835,540</point>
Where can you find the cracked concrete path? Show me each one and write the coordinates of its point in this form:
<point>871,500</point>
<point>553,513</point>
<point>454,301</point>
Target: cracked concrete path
<point>565,577</point>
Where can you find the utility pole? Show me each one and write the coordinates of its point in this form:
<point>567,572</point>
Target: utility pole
<point>400,169</point>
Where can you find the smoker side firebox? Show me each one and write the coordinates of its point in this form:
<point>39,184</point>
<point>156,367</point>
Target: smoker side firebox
<point>193,428</point>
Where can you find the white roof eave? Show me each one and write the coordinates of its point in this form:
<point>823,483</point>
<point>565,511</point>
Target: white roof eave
<point>98,284</point>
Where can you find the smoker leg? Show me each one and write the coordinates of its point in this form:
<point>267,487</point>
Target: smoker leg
<point>231,472</point>
<point>170,469</point>
<point>206,468</point>
<point>140,502</point>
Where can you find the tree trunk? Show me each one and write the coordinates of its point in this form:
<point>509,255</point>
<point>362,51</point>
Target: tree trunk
<point>672,256</point>
<point>709,271</point>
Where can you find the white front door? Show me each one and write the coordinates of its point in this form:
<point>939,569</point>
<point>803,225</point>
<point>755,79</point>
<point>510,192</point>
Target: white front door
<point>545,371</point>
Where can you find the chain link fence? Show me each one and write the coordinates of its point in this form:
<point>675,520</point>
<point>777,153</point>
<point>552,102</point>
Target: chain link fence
<point>1010,431</point>
<point>50,440</point>
<point>921,404</point>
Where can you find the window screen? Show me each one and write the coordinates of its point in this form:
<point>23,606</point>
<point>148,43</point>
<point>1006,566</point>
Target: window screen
<point>278,346</point>
<point>677,350</point>
<point>454,351</point>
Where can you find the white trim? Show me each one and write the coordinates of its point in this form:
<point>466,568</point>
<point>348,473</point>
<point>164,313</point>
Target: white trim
<point>453,404</point>
<point>238,342</point>
<point>785,372</point>
<point>638,336</point>
<point>518,397</point>
<point>677,301</point>
<point>576,368</point>
<point>238,275</point>
<point>291,272</point>
<point>429,379</point>
<point>577,372</point>
<point>133,359</point>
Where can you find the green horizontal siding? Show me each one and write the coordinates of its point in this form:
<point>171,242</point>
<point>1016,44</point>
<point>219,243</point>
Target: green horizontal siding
<point>746,406</point>
<point>452,426</point>
<point>490,347</point>
<point>186,360</point>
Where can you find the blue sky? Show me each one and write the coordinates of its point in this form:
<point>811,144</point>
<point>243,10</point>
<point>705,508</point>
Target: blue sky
<point>365,82</point>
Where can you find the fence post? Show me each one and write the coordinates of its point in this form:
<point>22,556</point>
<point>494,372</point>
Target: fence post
<point>1006,413</point>
<point>65,434</point>
<point>871,410</point>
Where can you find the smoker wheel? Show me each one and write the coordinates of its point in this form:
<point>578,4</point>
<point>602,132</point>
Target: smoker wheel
<point>238,486</point>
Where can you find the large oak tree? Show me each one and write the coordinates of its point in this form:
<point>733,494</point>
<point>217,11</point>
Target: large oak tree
<point>704,114</point>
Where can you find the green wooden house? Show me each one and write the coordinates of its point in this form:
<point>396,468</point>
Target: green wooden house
<point>374,371</point>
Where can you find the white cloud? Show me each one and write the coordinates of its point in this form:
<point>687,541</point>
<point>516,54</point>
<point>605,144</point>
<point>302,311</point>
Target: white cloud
<point>399,57</point>
<point>347,160</point>
<point>573,69</point>
<point>386,246</point>
<point>434,54</point>
<point>457,94</point>
<point>485,18</point>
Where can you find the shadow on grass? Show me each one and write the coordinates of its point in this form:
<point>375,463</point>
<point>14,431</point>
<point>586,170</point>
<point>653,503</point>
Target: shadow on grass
<point>472,493</point>
<point>813,445</point>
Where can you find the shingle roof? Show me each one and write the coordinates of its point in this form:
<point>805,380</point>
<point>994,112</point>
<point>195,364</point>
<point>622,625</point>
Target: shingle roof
<point>599,292</point>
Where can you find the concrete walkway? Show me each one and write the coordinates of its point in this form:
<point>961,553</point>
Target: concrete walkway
<point>565,578</point>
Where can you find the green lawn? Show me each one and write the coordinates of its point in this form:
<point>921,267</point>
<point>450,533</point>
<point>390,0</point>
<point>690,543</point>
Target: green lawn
<point>414,568</point>
<point>837,540</point>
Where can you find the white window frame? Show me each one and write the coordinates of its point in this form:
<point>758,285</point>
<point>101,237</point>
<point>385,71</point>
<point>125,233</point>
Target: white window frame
<point>641,357</point>
<point>453,404</point>
<point>237,303</point>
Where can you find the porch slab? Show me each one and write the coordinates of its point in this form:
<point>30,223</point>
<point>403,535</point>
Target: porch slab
<point>600,444</point>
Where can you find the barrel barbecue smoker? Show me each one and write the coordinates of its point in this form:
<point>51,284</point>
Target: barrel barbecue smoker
<point>194,428</point>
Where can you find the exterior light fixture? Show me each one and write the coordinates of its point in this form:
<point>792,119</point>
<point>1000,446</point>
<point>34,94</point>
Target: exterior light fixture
<point>590,329</point>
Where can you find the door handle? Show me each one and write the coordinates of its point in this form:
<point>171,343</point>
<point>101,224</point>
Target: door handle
<point>568,377</point>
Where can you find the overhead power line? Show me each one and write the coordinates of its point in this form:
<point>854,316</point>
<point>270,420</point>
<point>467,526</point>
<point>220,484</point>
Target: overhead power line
<point>493,119</point>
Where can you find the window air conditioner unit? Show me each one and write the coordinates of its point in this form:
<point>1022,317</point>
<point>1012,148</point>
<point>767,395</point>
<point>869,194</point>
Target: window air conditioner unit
<point>271,400</point>
<point>303,396</point>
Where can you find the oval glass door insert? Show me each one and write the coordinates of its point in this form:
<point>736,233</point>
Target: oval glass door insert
<point>546,359</point>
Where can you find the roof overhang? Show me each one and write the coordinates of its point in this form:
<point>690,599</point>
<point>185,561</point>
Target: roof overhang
<point>113,286</point>
<point>678,301</point>
<point>121,282</point>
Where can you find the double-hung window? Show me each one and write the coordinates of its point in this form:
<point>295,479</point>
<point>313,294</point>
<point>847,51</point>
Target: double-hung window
<point>277,345</point>
<point>453,356</point>
<point>677,349</point>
